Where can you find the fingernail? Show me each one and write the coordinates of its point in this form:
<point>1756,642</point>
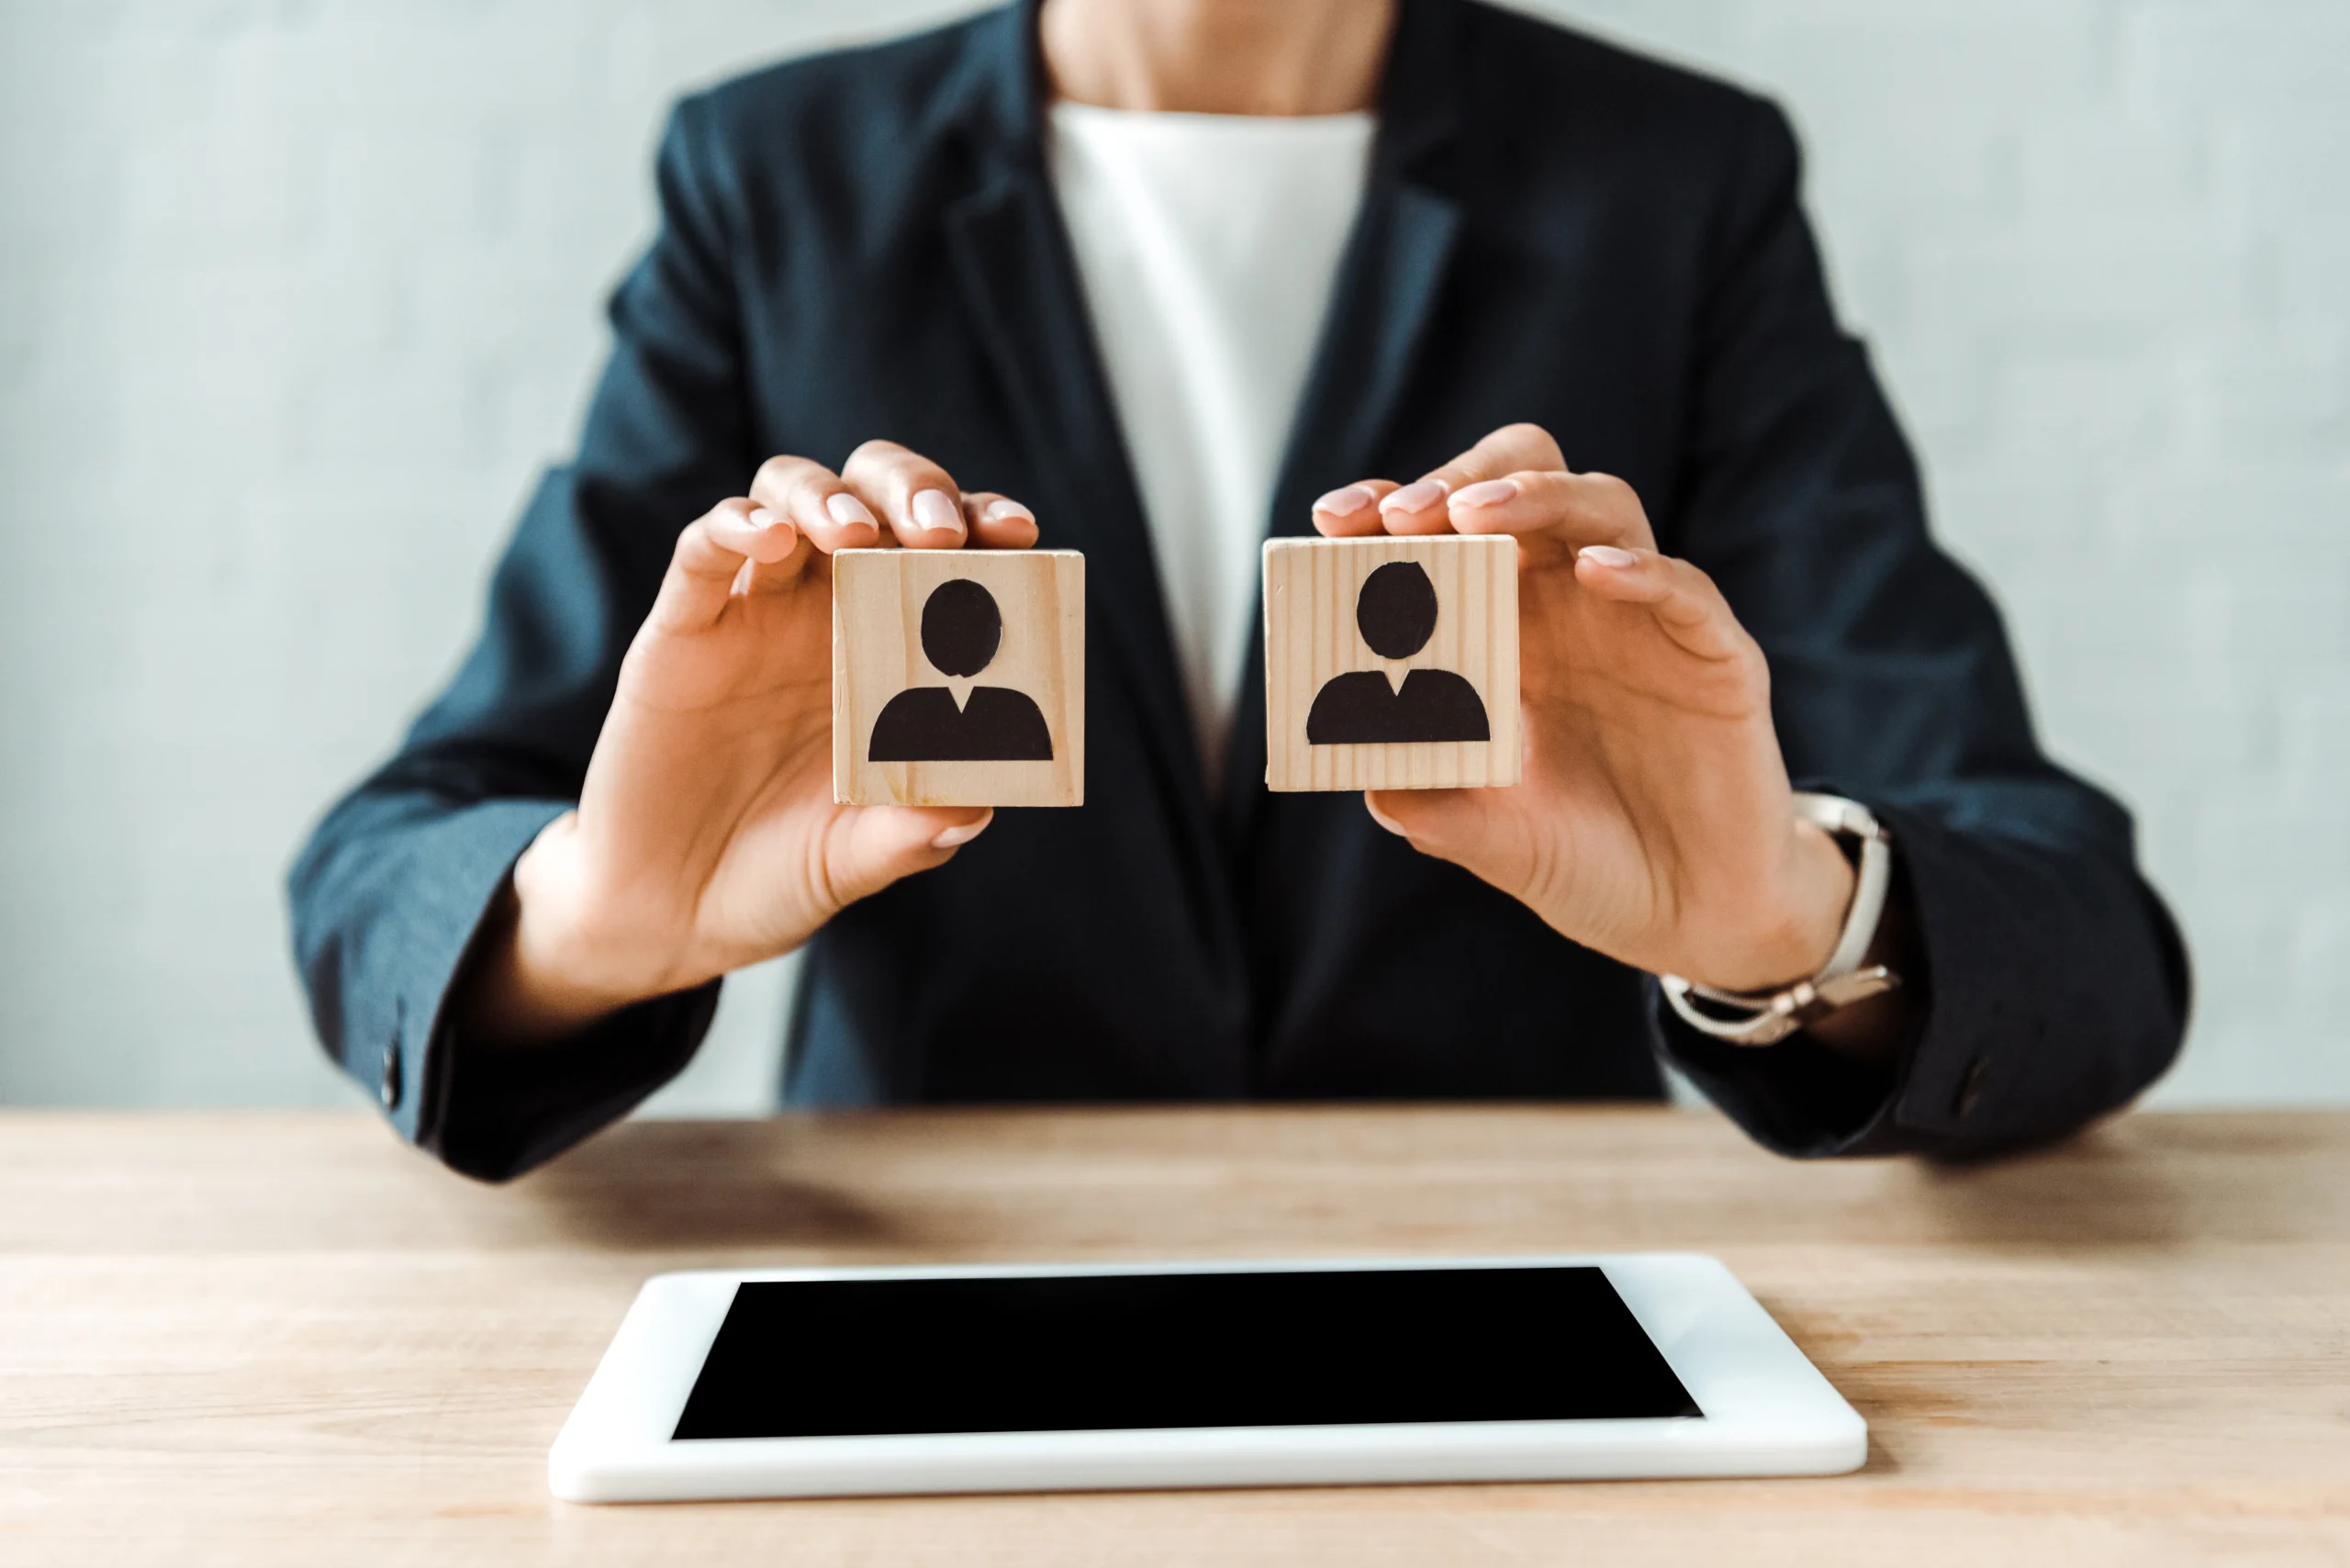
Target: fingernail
<point>1417,496</point>
<point>761,517</point>
<point>1345,502</point>
<point>933,513</point>
<point>964,835</point>
<point>1492,493</point>
<point>1003,511</point>
<point>848,511</point>
<point>1607,556</point>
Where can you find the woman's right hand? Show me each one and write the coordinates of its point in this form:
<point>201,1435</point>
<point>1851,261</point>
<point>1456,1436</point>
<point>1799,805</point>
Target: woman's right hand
<point>706,837</point>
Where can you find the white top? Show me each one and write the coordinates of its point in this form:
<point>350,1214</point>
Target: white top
<point>1208,246</point>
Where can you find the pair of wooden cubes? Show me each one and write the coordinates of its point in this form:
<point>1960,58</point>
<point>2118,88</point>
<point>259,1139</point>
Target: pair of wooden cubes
<point>959,676</point>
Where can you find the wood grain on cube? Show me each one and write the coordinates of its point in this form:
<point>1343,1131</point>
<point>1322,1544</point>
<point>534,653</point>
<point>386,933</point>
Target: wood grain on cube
<point>1001,724</point>
<point>1314,636</point>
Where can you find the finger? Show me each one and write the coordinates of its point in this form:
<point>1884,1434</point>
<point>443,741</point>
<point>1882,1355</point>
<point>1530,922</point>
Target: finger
<point>998,523</point>
<point>818,503</point>
<point>710,554</point>
<point>1419,506</point>
<point>776,577</point>
<point>1568,509</point>
<point>916,498</point>
<point>1353,511</point>
<point>1684,601</point>
<point>1464,827</point>
<point>868,847</point>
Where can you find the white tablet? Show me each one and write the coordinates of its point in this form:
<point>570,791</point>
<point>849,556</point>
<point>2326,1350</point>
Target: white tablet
<point>810,1381</point>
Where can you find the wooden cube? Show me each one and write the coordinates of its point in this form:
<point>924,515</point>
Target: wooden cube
<point>958,677</point>
<point>1391,664</point>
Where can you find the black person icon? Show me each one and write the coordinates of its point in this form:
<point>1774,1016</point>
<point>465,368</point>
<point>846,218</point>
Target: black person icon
<point>961,630</point>
<point>1396,612</point>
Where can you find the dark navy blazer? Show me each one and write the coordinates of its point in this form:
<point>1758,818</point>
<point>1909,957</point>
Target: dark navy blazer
<point>866,244</point>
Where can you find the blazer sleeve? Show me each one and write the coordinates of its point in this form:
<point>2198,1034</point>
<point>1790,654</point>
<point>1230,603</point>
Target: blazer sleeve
<point>2055,983</point>
<point>395,883</point>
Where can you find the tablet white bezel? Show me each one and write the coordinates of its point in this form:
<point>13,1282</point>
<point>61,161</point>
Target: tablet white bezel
<point>1767,1410</point>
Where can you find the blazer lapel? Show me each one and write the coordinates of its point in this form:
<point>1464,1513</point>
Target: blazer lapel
<point>1019,279</point>
<point>1018,276</point>
<point>1020,288</point>
<point>1389,288</point>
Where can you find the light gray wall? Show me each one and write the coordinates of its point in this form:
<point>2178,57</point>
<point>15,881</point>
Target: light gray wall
<point>295,297</point>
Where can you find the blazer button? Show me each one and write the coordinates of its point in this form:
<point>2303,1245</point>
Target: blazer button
<point>388,1089</point>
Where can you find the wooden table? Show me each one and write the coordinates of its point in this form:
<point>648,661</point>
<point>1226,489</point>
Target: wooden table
<point>260,1338</point>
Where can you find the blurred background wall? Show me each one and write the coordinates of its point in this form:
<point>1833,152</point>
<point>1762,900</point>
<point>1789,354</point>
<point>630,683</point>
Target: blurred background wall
<point>297,295</point>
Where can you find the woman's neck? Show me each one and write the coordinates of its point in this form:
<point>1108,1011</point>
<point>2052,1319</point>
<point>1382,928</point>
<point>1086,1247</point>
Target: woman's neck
<point>1218,57</point>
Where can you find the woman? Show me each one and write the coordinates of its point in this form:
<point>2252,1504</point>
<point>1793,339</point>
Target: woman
<point>1083,265</point>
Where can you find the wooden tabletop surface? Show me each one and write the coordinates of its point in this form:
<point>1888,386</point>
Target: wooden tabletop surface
<point>284,1339</point>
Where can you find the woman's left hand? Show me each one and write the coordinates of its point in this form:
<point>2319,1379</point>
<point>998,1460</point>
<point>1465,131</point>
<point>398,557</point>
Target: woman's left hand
<point>1655,823</point>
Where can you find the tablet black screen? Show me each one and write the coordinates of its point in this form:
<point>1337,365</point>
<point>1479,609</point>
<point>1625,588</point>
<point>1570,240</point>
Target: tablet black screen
<point>835,1358</point>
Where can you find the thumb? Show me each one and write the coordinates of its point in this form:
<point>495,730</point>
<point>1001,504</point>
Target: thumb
<point>1459,825</point>
<point>872,846</point>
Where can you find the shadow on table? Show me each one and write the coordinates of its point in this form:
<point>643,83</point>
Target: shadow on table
<point>698,1186</point>
<point>2080,1195</point>
<point>910,1186</point>
<point>2142,1181</point>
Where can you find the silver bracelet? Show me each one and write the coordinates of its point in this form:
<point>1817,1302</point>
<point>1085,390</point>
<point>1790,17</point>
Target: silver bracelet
<point>1766,1017</point>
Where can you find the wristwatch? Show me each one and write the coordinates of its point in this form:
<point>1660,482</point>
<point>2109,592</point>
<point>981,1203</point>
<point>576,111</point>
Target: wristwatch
<point>1766,1017</point>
